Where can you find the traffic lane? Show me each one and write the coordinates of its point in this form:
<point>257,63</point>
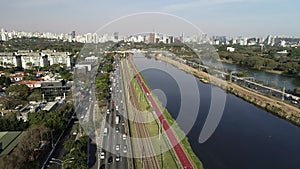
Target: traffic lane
<point>110,147</point>
<point>122,163</point>
<point>107,138</point>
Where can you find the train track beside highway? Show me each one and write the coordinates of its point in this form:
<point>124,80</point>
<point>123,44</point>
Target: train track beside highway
<point>144,143</point>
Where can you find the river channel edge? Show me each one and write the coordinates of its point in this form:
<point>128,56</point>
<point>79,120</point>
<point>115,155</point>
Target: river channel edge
<point>197,163</point>
<point>276,107</point>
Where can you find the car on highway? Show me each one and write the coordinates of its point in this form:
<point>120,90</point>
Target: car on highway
<point>110,160</point>
<point>123,122</point>
<point>125,149</point>
<point>118,157</point>
<point>102,166</point>
<point>102,155</point>
<point>124,136</point>
<point>117,147</point>
<point>117,129</point>
<point>294,101</point>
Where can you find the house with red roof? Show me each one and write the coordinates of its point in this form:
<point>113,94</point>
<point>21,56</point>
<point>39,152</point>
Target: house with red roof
<point>32,84</point>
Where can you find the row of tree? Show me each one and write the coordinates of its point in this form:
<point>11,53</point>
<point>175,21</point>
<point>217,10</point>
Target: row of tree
<point>264,60</point>
<point>28,152</point>
<point>77,152</point>
<point>43,126</point>
<point>102,81</point>
<point>37,44</point>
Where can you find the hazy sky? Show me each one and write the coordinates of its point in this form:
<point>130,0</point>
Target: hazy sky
<point>214,17</point>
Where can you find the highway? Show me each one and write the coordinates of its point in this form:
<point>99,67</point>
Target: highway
<point>115,142</point>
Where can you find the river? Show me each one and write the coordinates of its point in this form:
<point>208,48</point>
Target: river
<point>247,137</point>
<point>271,79</point>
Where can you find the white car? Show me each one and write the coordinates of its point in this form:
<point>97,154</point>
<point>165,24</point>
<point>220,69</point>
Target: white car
<point>102,155</point>
<point>125,149</point>
<point>124,136</point>
<point>117,147</point>
<point>118,157</point>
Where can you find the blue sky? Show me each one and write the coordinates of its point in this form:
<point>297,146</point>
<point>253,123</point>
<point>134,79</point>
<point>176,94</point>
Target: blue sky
<point>214,17</point>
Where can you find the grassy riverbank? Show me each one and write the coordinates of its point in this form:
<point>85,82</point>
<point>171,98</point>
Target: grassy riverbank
<point>154,124</point>
<point>166,158</point>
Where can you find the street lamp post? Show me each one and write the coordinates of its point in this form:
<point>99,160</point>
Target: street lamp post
<point>283,90</point>
<point>161,126</point>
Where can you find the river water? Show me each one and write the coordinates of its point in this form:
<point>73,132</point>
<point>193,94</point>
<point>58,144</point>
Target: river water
<point>271,79</point>
<point>247,137</point>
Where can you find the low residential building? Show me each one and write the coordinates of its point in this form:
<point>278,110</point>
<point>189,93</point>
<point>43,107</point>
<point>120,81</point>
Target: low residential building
<point>32,84</point>
<point>230,49</point>
<point>51,106</point>
<point>86,66</point>
<point>54,88</point>
<point>16,77</point>
<point>283,52</point>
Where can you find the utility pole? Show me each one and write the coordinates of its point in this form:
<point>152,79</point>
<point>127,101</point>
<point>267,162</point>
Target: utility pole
<point>283,90</point>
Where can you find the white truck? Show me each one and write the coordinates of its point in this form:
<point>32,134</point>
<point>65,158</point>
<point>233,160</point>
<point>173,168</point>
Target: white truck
<point>117,119</point>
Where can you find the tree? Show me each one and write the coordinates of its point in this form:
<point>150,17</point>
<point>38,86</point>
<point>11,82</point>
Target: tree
<point>12,124</point>
<point>19,91</point>
<point>55,120</point>
<point>5,81</point>
<point>78,153</point>
<point>37,118</point>
<point>270,64</point>
<point>255,62</point>
<point>297,91</point>
<point>25,153</point>
<point>36,95</point>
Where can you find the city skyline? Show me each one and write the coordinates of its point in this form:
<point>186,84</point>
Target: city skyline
<point>216,17</point>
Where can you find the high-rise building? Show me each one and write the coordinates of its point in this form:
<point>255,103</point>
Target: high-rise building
<point>116,36</point>
<point>73,34</point>
<point>181,37</point>
<point>151,38</point>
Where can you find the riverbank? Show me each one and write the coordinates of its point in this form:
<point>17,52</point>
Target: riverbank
<point>265,70</point>
<point>273,106</point>
<point>169,121</point>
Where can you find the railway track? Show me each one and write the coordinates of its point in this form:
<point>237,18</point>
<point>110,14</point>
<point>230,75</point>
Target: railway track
<point>148,156</point>
<point>178,149</point>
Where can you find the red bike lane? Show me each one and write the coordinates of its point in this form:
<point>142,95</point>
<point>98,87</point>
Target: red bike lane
<point>180,153</point>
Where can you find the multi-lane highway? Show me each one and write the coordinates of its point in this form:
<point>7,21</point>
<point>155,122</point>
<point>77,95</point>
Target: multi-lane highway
<point>115,146</point>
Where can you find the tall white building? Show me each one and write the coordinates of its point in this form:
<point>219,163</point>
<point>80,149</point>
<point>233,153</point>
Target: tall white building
<point>27,59</point>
